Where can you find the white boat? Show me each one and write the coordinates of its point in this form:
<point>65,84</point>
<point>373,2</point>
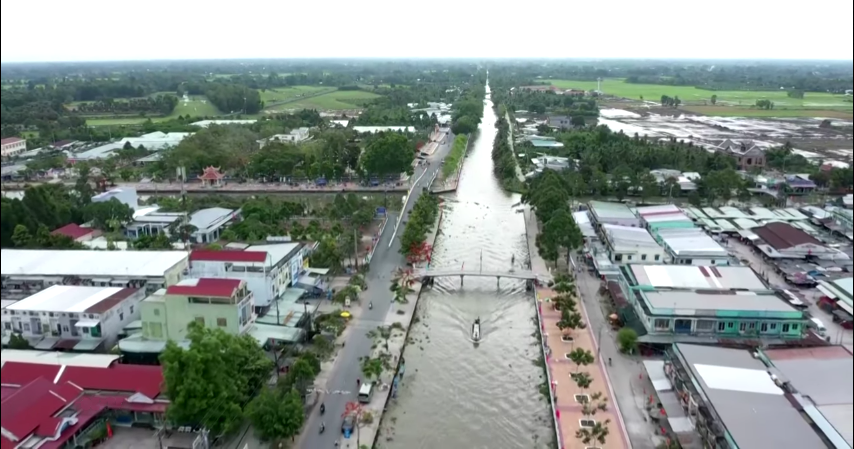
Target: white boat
<point>475,330</point>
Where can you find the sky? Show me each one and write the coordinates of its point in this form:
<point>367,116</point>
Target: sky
<point>100,30</point>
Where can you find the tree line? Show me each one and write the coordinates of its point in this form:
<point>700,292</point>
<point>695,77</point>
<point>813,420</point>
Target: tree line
<point>159,105</point>
<point>455,157</point>
<point>424,214</point>
<point>542,102</point>
<point>503,158</point>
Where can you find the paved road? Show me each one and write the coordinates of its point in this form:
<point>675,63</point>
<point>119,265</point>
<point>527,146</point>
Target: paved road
<point>347,368</point>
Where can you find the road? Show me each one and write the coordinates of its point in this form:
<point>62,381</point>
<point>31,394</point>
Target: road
<point>347,368</point>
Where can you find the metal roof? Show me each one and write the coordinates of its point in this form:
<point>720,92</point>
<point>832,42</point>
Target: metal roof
<point>688,242</point>
<point>629,238</point>
<point>751,407</point>
<point>57,358</point>
<point>604,210</point>
<point>88,263</point>
<point>698,278</point>
<point>682,301</point>
<point>206,219</point>
<point>68,298</point>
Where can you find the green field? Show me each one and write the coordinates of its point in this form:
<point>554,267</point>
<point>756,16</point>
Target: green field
<point>197,107</point>
<point>332,101</point>
<point>731,103</point>
<point>292,93</point>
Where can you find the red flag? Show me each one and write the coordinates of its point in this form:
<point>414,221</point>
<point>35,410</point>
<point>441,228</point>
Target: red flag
<point>109,430</point>
<point>557,413</point>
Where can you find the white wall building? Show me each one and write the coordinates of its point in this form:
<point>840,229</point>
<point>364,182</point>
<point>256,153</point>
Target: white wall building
<point>628,244</point>
<point>692,246</point>
<point>12,146</point>
<point>211,222</point>
<point>267,269</point>
<point>74,317</point>
<point>295,136</point>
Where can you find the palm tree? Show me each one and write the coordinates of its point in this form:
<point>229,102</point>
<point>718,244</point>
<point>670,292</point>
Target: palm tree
<point>182,230</point>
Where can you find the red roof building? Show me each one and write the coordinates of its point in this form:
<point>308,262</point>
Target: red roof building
<point>228,256</point>
<point>212,177</point>
<point>77,233</point>
<point>45,411</point>
<point>788,241</point>
<point>9,140</point>
<point>206,287</point>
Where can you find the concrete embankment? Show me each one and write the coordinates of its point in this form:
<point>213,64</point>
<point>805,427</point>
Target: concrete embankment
<point>451,185</point>
<point>400,317</point>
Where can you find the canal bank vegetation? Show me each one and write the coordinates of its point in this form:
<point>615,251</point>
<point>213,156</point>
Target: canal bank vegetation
<point>550,200</point>
<point>413,242</point>
<point>454,160</point>
<point>468,111</point>
<point>503,159</point>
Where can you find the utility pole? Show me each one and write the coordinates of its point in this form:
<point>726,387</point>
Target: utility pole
<point>356,248</point>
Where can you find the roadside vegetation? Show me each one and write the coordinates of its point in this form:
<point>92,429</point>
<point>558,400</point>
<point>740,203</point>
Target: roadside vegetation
<point>424,214</point>
<point>505,166</point>
<point>454,160</point>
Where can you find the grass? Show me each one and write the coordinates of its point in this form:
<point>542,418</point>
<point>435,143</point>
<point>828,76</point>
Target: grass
<point>291,93</point>
<point>198,106</point>
<point>332,101</point>
<point>729,103</point>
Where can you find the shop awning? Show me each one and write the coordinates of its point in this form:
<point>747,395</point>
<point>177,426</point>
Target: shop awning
<point>87,323</point>
<point>844,306</point>
<point>88,344</point>
<point>46,344</point>
<point>102,280</point>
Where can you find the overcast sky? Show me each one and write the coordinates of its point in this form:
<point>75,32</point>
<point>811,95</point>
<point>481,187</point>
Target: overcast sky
<point>90,30</point>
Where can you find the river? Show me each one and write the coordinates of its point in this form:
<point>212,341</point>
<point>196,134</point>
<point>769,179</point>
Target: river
<point>456,395</point>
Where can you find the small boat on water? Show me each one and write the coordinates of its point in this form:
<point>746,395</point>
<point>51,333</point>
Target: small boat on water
<point>475,330</point>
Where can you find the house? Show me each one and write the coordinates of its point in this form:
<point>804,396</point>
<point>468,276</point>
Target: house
<point>124,195</point>
<point>784,241</point>
<point>720,302</point>
<point>150,221</point>
<point>746,154</point>
<point>29,271</point>
<point>267,269</point>
<point>543,162</point>
<point>692,246</point>
<point>12,146</point>
<point>156,141</point>
<point>603,212</point>
<point>52,406</point>
<point>77,233</point>
<point>540,88</point>
<point>78,318</point>
<point>628,244</point>
<point>574,93</point>
<point>841,291</point>
<point>799,184</point>
<point>209,223</point>
<point>64,145</point>
<point>739,399</point>
<point>560,122</point>
<point>295,136</point>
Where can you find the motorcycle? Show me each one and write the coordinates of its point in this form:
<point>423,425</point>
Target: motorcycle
<point>322,409</point>
<point>322,428</point>
<point>370,306</point>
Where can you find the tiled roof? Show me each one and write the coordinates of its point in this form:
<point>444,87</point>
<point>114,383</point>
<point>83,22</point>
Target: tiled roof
<point>111,301</point>
<point>228,256</point>
<point>74,231</point>
<point>33,406</point>
<point>118,378</point>
<point>217,288</point>
<point>784,236</point>
<point>9,140</point>
<point>17,373</point>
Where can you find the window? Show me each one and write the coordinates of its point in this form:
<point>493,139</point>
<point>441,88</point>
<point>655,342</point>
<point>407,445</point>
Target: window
<point>773,326</point>
<point>7,325</point>
<point>618,257</point>
<point>795,326</point>
<point>705,325</point>
<point>131,309</point>
<point>156,312</point>
<point>786,327</point>
<point>730,325</point>
<point>742,326</point>
<point>221,322</point>
<point>85,330</point>
<point>27,328</point>
<point>64,328</point>
<point>689,261</point>
<point>713,261</point>
<point>763,327</point>
<point>643,256</point>
<point>630,257</point>
<point>121,316</point>
<point>662,324</point>
<point>582,398</point>
<point>587,423</point>
<point>721,325</point>
<point>751,325</point>
<point>657,257</point>
<point>200,320</point>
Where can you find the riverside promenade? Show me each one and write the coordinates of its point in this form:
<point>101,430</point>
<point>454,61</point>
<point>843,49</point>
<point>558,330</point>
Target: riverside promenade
<point>567,411</point>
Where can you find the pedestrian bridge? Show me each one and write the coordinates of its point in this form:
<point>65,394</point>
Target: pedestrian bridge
<point>428,275</point>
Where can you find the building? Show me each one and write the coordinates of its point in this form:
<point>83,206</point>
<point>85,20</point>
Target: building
<point>711,302</point>
<point>380,129</point>
<point>631,245</point>
<point>848,201</point>
<point>295,136</point>
<point>12,146</point>
<point>73,317</point>
<point>64,145</point>
<point>734,402</point>
<point>799,184</point>
<point>124,195</point>
<point>692,246</point>
<point>61,406</point>
<point>602,212</point>
<point>560,122</point>
<point>29,271</point>
<point>784,241</point>
<point>207,123</point>
<point>746,154</point>
<point>819,382</point>
<point>150,221</point>
<point>77,233</point>
<point>58,358</point>
<point>209,223</point>
<point>841,291</point>
<point>543,162</point>
<point>667,216</point>
<point>156,141</point>
<point>267,269</point>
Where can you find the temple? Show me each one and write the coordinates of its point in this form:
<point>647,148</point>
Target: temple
<point>212,177</point>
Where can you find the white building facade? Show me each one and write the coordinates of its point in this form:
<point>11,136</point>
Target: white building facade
<point>13,146</point>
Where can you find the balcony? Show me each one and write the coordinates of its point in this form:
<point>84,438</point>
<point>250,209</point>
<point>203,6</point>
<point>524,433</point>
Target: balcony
<point>239,297</point>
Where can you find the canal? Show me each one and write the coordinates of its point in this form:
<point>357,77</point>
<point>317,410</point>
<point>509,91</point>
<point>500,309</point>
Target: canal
<point>456,394</point>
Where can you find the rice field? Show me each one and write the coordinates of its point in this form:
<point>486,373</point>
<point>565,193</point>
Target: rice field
<point>333,101</point>
<point>198,106</point>
<point>284,94</point>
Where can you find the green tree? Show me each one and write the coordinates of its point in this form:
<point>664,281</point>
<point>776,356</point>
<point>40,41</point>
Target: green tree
<point>389,155</point>
<point>373,368</point>
<point>581,357</point>
<point>108,215</point>
<point>597,434</point>
<point>276,415</point>
<point>209,383</point>
<point>21,237</point>
<point>17,341</point>
<point>714,100</point>
<point>627,339</point>
<point>562,229</point>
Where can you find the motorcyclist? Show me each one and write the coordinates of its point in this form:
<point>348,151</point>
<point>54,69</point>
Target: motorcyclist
<point>371,305</point>
<point>358,382</point>
<point>322,408</point>
<point>322,427</point>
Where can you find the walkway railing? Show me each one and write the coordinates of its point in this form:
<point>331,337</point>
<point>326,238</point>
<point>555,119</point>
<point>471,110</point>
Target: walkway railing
<point>546,352</point>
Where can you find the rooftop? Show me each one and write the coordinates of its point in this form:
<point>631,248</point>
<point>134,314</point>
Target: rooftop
<point>217,288</point>
<point>206,123</point>
<point>57,358</point>
<point>74,299</point>
<point>691,241</point>
<point>783,236</point>
<point>823,376</point>
<point>604,210</point>
<point>9,140</point>
<point>752,409</point>
<point>88,263</point>
<point>379,129</point>
<point>278,252</point>
<point>145,379</point>
<point>697,278</point>
<point>228,256</point>
<point>73,231</point>
<point>155,141</point>
<point>678,302</point>
<point>628,238</point>
<point>209,218</point>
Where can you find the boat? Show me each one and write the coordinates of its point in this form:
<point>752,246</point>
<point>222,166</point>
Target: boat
<point>475,330</point>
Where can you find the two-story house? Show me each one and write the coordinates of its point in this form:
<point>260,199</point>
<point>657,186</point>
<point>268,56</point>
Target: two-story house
<point>746,154</point>
<point>78,318</point>
<point>12,146</point>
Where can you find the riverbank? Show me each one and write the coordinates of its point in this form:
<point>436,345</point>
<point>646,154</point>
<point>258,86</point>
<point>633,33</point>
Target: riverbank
<point>450,184</point>
<point>519,175</point>
<point>567,412</point>
<point>166,188</point>
<point>400,314</point>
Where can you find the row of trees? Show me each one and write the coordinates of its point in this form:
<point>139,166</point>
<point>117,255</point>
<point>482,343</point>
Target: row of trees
<point>503,158</point>
<point>158,105</point>
<point>673,102</point>
<point>765,104</point>
<point>549,198</point>
<point>468,111</point>
<point>421,220</point>
<point>541,102</point>
<point>229,97</point>
<point>455,158</point>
